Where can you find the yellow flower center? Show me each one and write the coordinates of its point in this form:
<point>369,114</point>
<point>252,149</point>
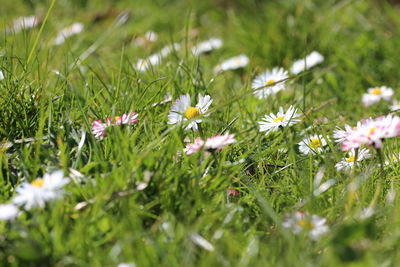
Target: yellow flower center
<point>192,112</point>
<point>371,131</point>
<point>305,224</point>
<point>269,82</point>
<point>315,142</point>
<point>38,182</point>
<point>117,118</point>
<point>351,159</point>
<point>376,91</point>
<point>279,119</point>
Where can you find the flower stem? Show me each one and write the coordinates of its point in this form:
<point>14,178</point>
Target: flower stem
<point>379,187</point>
<point>201,132</point>
<point>353,170</point>
<point>311,173</point>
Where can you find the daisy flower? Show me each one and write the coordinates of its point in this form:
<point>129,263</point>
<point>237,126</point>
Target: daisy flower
<point>375,94</point>
<point>216,142</point>
<point>272,122</point>
<point>233,63</point>
<point>130,118</point>
<point>270,79</point>
<point>68,32</point>
<point>348,162</point>
<point>23,23</point>
<point>8,212</point>
<point>301,221</point>
<point>41,190</point>
<point>155,59</point>
<point>372,132</point>
<point>182,111</point>
<point>99,128</point>
<point>339,135</point>
<point>192,148</point>
<point>310,61</point>
<point>148,37</point>
<point>126,264</point>
<point>395,106</point>
<point>207,46</point>
<point>313,144</point>
<point>1,75</point>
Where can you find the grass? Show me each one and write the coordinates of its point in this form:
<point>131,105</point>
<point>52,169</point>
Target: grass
<point>186,196</point>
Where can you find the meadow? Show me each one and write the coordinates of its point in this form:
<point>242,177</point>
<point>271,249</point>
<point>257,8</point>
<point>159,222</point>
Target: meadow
<point>199,133</point>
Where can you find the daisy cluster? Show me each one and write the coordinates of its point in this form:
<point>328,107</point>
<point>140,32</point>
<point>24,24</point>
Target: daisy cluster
<point>189,112</point>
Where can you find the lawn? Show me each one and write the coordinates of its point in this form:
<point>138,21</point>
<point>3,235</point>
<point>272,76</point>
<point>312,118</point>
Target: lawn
<point>199,133</point>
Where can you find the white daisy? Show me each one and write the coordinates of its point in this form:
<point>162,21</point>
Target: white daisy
<point>155,59</point>
<point>145,64</point>
<point>207,46</point>
<point>348,162</point>
<point>182,110</point>
<point>126,264</point>
<point>8,212</point>
<point>148,37</point>
<point>23,23</point>
<point>233,63</point>
<point>41,190</point>
<point>306,63</point>
<point>272,122</point>
<point>375,94</point>
<point>372,132</point>
<point>218,142</point>
<point>68,32</point>
<point>395,106</point>
<point>1,75</point>
<point>272,82</point>
<point>301,222</point>
<point>313,144</point>
<point>339,135</point>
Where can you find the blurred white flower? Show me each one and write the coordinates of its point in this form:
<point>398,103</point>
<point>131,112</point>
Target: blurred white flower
<point>272,122</point>
<point>8,212</point>
<point>300,222</point>
<point>155,59</point>
<point>207,46</point>
<point>395,106</point>
<point>23,23</point>
<point>201,241</point>
<point>306,63</point>
<point>148,37</point>
<point>41,190</point>
<point>1,75</point>
<point>372,132</point>
<point>68,32</point>
<point>126,264</point>
<point>233,63</point>
<point>339,135</point>
<point>216,142</point>
<point>273,81</point>
<point>375,94</point>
